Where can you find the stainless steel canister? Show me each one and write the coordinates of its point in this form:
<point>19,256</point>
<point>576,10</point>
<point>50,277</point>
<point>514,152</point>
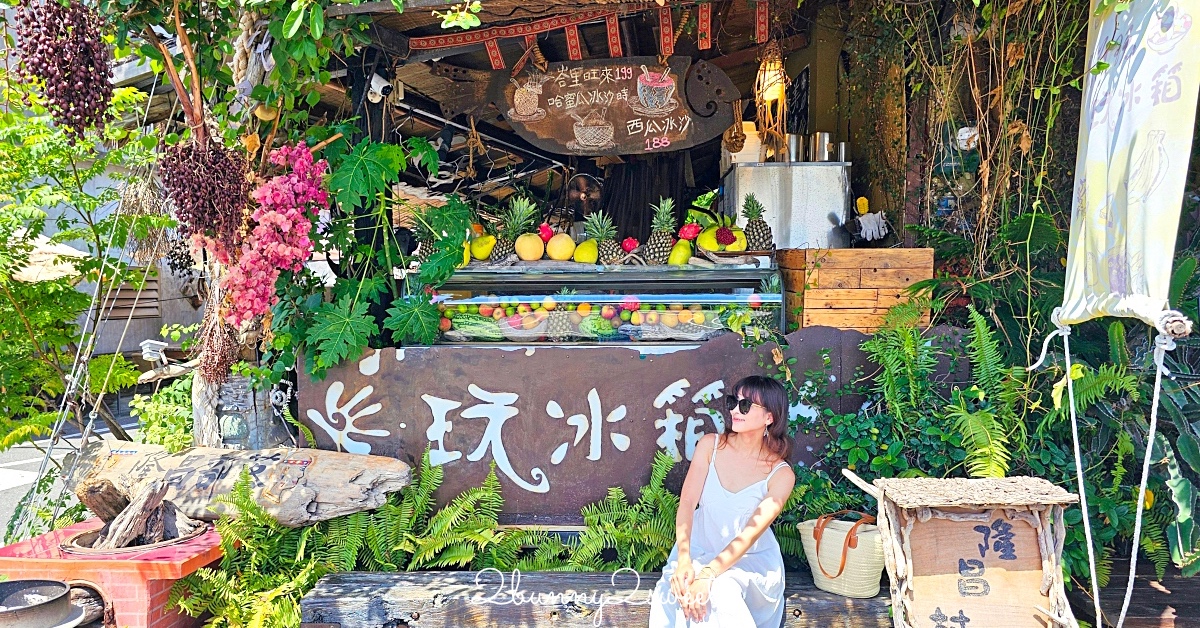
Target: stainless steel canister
<point>795,147</point>
<point>820,148</point>
<point>843,151</point>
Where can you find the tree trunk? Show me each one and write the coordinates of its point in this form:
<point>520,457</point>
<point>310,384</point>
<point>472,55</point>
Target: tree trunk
<point>131,523</point>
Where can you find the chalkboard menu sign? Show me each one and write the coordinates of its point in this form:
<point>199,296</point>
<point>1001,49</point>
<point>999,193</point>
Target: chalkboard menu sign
<point>618,106</point>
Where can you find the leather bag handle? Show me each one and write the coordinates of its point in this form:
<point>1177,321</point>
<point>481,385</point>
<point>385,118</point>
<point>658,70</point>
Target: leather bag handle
<point>849,543</point>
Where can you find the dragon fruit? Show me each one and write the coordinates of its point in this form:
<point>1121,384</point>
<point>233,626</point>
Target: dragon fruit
<point>689,231</point>
<point>545,232</point>
<point>630,303</point>
<point>629,244</point>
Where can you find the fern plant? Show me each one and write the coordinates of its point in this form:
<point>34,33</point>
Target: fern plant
<point>638,535</point>
<point>265,570</point>
<point>986,415</point>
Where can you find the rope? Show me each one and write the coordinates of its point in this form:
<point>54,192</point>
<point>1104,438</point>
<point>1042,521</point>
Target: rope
<point>1162,344</point>
<point>1065,332</point>
<point>1170,325</point>
<point>474,144</point>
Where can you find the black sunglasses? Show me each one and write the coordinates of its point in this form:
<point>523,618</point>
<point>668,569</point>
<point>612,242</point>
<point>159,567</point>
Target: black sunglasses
<point>743,405</point>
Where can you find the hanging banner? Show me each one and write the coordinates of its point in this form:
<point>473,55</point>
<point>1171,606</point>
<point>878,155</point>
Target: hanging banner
<point>762,21</point>
<point>494,56</point>
<point>574,49</point>
<point>704,26</point>
<point>613,25</point>
<point>666,32</point>
<point>1135,138</point>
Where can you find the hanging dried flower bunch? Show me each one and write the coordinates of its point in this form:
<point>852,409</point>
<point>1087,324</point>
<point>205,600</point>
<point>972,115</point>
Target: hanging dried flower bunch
<point>61,48</point>
<point>219,348</point>
<point>141,198</point>
<point>210,187</point>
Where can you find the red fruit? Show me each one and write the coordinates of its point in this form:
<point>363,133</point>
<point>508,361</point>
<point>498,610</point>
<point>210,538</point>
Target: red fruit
<point>689,231</point>
<point>630,303</point>
<point>444,324</point>
<point>545,232</point>
<point>725,236</point>
<point>629,244</point>
<point>756,301</point>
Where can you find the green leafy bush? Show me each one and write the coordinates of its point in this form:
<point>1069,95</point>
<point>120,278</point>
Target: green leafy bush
<point>165,418</point>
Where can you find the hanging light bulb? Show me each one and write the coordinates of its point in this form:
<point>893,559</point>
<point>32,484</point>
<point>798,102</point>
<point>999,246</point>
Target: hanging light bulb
<point>771,78</point>
<point>770,102</point>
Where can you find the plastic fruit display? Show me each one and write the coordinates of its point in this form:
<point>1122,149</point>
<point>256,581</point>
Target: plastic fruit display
<point>588,252</point>
<point>530,247</point>
<point>560,247</point>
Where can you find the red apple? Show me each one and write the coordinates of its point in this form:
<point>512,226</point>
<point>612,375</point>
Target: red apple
<point>486,310</point>
<point>608,311</point>
<point>444,324</point>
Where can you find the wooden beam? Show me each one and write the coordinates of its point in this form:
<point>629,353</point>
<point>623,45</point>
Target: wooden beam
<point>386,6</point>
<point>390,41</point>
<point>749,55</point>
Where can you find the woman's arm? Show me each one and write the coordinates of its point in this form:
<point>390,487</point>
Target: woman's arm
<point>689,499</point>
<point>778,491</point>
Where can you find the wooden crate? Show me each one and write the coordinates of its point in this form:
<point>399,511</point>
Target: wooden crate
<point>985,551</point>
<point>850,288</point>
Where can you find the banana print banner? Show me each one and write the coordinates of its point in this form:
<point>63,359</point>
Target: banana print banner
<point>1135,138</point>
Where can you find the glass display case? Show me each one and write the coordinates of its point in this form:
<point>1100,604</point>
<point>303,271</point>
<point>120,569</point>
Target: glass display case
<point>622,306</point>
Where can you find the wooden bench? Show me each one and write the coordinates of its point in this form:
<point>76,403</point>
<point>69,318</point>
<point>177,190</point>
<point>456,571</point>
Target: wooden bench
<point>463,599</point>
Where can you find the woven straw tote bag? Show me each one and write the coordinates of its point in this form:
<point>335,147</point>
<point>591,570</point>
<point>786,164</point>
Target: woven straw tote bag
<point>855,547</point>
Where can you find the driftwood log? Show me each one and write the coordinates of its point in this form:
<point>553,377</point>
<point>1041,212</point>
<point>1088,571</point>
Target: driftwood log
<point>456,599</point>
<point>296,486</point>
<point>101,497</point>
<point>89,600</point>
<point>131,523</point>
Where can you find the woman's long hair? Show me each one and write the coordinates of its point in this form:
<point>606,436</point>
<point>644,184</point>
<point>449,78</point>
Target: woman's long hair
<point>772,396</point>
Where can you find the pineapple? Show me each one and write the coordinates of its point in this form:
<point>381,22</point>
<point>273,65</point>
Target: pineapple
<point>425,241</point>
<point>599,226</point>
<point>658,247</point>
<point>514,221</point>
<point>758,232</point>
<point>558,327</point>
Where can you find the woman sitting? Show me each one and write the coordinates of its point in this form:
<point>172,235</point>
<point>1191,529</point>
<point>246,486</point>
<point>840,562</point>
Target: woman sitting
<point>726,569</point>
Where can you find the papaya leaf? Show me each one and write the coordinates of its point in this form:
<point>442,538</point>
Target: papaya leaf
<point>368,170</point>
<point>340,331</point>
<point>413,318</point>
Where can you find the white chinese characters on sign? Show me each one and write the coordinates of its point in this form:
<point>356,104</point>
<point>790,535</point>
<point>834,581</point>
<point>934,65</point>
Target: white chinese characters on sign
<point>497,408</point>
<point>595,425</point>
<point>669,424</point>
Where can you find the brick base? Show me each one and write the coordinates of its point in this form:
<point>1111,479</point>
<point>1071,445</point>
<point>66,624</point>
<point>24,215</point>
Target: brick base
<point>134,584</point>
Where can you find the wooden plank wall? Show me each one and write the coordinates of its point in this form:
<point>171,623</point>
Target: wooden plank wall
<point>849,288</point>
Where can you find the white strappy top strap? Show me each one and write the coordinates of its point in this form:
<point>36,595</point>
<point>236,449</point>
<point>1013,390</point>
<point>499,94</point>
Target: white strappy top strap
<point>772,473</point>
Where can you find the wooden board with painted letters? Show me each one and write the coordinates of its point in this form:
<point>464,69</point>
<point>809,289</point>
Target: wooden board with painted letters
<point>981,572</point>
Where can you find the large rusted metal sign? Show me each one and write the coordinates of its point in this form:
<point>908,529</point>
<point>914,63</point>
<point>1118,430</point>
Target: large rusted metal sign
<point>561,424</point>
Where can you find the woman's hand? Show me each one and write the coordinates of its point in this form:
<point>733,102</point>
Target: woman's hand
<point>695,601</point>
<point>683,577</point>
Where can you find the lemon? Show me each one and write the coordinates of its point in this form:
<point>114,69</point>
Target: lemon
<point>587,252</point>
<point>481,247</point>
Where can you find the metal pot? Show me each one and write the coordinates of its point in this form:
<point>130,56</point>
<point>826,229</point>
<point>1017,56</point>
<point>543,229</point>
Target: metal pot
<point>820,147</point>
<point>35,604</point>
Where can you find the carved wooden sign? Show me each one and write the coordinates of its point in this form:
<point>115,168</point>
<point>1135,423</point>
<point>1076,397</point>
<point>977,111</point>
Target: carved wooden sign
<point>621,106</point>
<point>955,564</point>
<point>561,424</point>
